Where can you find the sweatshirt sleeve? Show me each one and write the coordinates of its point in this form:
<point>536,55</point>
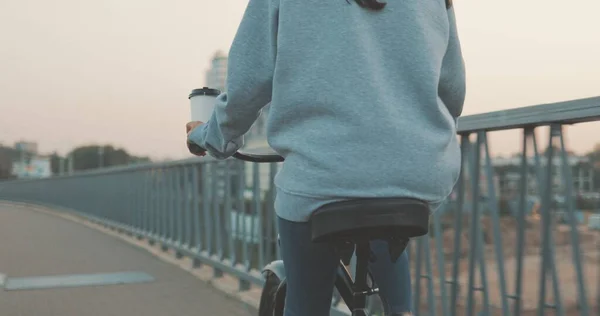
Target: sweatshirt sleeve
<point>452,84</point>
<point>251,65</point>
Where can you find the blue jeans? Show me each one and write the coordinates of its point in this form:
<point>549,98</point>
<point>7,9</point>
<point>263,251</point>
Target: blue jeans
<point>311,269</point>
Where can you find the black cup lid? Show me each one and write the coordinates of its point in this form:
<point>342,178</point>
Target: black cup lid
<point>204,91</point>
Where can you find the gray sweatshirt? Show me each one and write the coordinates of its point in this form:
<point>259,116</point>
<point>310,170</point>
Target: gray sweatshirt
<point>363,103</point>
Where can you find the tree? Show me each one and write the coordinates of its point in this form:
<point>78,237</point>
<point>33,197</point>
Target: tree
<point>85,158</point>
<point>556,151</point>
<point>7,156</point>
<point>89,157</point>
<point>594,157</point>
<point>55,161</point>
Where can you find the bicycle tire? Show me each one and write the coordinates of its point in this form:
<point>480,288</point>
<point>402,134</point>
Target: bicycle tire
<point>272,298</point>
<point>271,304</point>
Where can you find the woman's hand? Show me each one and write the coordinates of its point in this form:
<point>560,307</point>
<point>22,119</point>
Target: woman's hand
<point>189,127</point>
<point>193,148</point>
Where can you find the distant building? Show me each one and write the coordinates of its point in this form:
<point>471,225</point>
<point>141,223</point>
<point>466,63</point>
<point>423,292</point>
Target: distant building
<point>216,78</point>
<point>509,175</point>
<point>27,147</point>
<point>29,163</point>
<point>35,167</point>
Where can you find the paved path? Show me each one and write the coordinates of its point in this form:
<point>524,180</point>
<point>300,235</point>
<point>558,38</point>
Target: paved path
<point>38,244</point>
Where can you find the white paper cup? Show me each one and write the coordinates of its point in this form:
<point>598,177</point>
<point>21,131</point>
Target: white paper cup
<point>202,102</point>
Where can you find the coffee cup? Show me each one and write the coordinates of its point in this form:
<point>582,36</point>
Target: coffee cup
<point>202,103</point>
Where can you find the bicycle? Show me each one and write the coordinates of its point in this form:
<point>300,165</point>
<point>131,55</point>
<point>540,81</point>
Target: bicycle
<point>350,226</point>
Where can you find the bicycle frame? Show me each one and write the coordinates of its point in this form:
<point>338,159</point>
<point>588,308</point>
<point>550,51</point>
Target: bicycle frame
<point>343,283</point>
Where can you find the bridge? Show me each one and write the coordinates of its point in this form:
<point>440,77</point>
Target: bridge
<point>189,237</point>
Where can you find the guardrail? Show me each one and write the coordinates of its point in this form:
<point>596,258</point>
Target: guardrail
<point>220,213</point>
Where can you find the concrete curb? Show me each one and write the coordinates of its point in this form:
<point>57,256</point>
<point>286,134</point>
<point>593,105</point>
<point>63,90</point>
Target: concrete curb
<point>226,284</point>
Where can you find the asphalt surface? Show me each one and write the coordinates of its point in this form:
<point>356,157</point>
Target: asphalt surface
<point>34,244</point>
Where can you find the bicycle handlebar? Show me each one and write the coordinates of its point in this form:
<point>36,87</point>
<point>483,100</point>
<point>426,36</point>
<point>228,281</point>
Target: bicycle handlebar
<point>258,158</point>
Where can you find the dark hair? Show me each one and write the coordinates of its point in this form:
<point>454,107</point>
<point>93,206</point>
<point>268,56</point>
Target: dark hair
<point>374,5</point>
<point>377,6</point>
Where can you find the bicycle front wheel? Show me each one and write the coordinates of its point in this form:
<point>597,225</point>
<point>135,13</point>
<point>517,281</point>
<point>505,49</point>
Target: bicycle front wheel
<point>272,298</point>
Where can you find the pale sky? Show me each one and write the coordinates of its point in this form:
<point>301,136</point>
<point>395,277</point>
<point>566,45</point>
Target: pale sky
<point>76,72</point>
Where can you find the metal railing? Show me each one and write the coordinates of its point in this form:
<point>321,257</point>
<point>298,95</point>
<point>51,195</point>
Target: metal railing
<point>477,260</point>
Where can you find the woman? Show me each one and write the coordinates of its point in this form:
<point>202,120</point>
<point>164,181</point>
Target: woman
<point>364,103</point>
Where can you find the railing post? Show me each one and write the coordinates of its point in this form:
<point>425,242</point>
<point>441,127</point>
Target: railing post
<point>459,211</point>
<point>574,233</point>
<point>218,170</point>
<point>418,275</point>
<point>258,213</point>
<point>153,208</point>
<point>228,212</point>
<point>475,235</point>
<point>271,202</point>
<point>527,134</point>
<point>244,238</point>
<point>208,192</point>
<point>441,264</point>
<point>548,265</point>
<point>495,220</point>
<point>164,218</point>
<point>196,190</point>
<point>180,202</point>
